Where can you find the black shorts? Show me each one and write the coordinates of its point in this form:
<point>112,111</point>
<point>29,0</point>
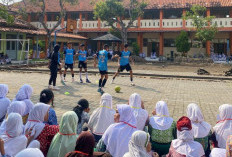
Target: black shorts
<point>82,64</point>
<point>103,72</point>
<point>70,66</point>
<point>122,68</point>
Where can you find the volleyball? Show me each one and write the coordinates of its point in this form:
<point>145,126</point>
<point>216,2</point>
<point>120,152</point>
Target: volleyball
<point>117,89</point>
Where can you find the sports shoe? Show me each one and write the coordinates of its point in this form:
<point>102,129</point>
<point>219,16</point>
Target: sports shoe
<point>132,84</point>
<point>102,92</point>
<point>64,79</point>
<point>99,90</point>
<point>87,81</point>
<point>112,81</point>
<point>50,87</point>
<point>81,81</point>
<point>73,79</point>
<point>56,88</point>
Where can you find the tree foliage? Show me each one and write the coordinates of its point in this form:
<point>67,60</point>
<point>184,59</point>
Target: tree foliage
<point>115,11</point>
<point>5,15</point>
<point>182,43</point>
<point>205,30</point>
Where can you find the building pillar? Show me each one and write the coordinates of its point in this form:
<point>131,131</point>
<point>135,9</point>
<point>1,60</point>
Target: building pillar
<point>161,18</point>
<point>53,18</point>
<point>140,42</point>
<point>45,18</point>
<point>46,45</point>
<point>80,22</point>
<point>231,43</point>
<point>230,13</point>
<point>99,23</point>
<point>86,16</point>
<point>208,42</point>
<point>161,44</point>
<point>184,21</point>
<point>98,46</point>
<point>139,22</point>
<point>29,18</point>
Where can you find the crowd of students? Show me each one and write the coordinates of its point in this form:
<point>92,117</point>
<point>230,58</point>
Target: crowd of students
<point>31,130</point>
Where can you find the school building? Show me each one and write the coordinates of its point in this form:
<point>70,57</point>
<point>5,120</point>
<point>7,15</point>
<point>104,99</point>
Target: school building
<point>156,31</point>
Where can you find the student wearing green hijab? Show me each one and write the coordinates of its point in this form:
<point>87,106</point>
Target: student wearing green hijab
<point>65,140</point>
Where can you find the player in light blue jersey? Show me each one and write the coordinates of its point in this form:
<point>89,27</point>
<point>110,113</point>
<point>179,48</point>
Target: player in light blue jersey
<point>124,59</point>
<point>102,57</point>
<point>82,57</point>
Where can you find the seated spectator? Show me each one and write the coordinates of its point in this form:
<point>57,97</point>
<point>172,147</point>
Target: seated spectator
<point>184,145</point>
<point>30,152</point>
<point>201,129</point>
<point>4,101</point>
<point>47,97</point>
<point>82,110</point>
<point>162,129</point>
<point>44,133</point>
<point>24,94</point>
<point>102,117</point>
<point>85,147</point>
<point>15,107</point>
<point>13,139</point>
<point>223,128</point>
<point>65,140</point>
<point>140,114</point>
<point>116,138</point>
<point>139,145</point>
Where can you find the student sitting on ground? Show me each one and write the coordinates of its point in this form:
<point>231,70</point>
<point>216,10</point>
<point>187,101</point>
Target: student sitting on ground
<point>65,140</point>
<point>82,109</point>
<point>162,129</point>
<point>24,94</point>
<point>85,147</point>
<point>201,129</point>
<point>140,114</point>
<point>223,128</point>
<point>102,117</point>
<point>47,97</point>
<point>44,133</point>
<point>184,145</point>
<point>116,138</point>
<point>4,101</point>
<point>30,152</point>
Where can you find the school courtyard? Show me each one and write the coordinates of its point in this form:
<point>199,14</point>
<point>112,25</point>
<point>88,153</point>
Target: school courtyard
<point>177,92</point>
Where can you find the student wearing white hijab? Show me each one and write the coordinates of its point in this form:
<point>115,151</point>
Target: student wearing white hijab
<point>162,129</point>
<point>139,145</point>
<point>15,107</point>
<point>13,139</point>
<point>116,138</point>
<point>24,94</point>
<point>141,115</point>
<point>4,101</point>
<point>184,145</point>
<point>40,131</point>
<point>223,128</point>
<point>30,152</point>
<point>201,129</point>
<point>102,117</point>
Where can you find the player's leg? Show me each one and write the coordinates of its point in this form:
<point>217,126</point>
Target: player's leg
<point>105,80</point>
<point>81,81</point>
<point>86,74</point>
<point>51,79</point>
<point>131,78</point>
<point>72,72</point>
<point>116,74</point>
<point>100,82</point>
<point>54,80</point>
<point>65,71</point>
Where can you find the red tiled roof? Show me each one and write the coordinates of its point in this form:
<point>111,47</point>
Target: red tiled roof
<point>17,24</point>
<point>86,6</point>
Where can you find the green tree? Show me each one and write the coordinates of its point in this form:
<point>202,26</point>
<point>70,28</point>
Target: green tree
<point>135,48</point>
<point>182,43</point>
<point>114,12</point>
<point>205,30</point>
<point>5,15</point>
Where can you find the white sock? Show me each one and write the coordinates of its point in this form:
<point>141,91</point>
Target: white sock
<point>86,75</point>
<point>61,76</point>
<point>80,76</point>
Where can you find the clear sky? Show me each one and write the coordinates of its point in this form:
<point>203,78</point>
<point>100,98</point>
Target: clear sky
<point>2,1</point>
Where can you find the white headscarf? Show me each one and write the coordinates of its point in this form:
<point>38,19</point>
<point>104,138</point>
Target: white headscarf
<point>15,107</point>
<point>224,127</point>
<point>13,139</point>
<point>24,94</point>
<point>4,102</point>
<point>138,144</point>
<point>140,114</point>
<point>218,152</point>
<point>102,117</point>
<point>117,136</point>
<point>34,144</point>
<point>199,126</point>
<point>36,119</point>
<point>161,121</point>
<point>30,152</point>
<point>185,144</point>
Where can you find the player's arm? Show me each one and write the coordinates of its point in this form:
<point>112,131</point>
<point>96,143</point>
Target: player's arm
<point>131,59</point>
<point>115,56</point>
<point>2,150</point>
<point>74,56</point>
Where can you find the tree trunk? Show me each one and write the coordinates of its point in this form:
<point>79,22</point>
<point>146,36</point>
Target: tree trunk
<point>49,36</point>
<point>124,35</point>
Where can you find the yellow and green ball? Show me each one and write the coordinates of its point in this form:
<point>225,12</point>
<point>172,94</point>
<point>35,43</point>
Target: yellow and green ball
<point>117,89</point>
